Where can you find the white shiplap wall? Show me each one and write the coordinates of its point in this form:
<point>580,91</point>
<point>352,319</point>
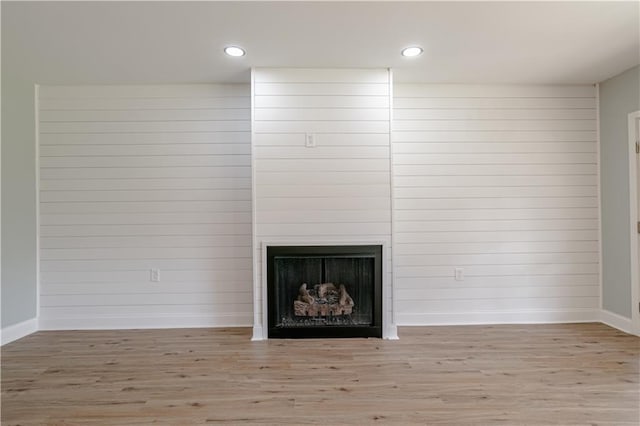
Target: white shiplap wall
<point>500,181</point>
<point>140,177</point>
<point>338,192</point>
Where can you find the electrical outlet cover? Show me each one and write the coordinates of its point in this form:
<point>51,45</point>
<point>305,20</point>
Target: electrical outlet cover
<point>459,274</point>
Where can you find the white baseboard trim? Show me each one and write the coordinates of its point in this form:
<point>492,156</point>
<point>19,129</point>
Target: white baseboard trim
<point>616,321</point>
<point>390,332</point>
<point>19,330</point>
<point>149,322</point>
<point>258,334</point>
<point>517,317</point>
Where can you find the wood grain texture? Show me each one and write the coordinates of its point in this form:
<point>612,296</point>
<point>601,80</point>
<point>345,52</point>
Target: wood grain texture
<point>569,374</point>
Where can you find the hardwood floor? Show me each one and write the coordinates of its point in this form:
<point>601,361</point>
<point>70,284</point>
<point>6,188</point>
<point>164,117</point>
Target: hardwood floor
<point>534,374</point>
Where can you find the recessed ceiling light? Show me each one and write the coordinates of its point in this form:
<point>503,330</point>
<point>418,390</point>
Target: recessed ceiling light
<point>234,51</point>
<point>412,51</point>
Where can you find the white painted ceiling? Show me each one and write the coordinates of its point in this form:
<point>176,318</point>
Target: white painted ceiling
<point>182,42</point>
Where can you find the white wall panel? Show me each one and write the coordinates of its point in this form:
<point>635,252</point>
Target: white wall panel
<point>117,248</point>
<point>173,173</point>
<point>315,88</point>
<point>135,178</point>
<point>321,101</point>
<point>152,138</point>
<point>492,101</point>
<point>498,180</point>
<point>492,147</point>
<point>98,184</point>
<point>497,214</point>
<point>325,165</point>
<point>495,114</point>
<point>493,180</point>
<point>338,192</point>
<point>509,136</point>
<point>327,140</point>
<point>471,203</point>
<point>496,236</point>
<point>492,91</point>
<point>146,161</point>
<point>88,127</point>
<point>136,150</point>
<point>494,169</point>
<point>147,115</point>
<point>147,206</point>
<point>502,182</point>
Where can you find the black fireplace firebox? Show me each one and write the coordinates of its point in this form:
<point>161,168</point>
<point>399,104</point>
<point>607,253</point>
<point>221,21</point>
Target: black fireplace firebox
<point>324,291</point>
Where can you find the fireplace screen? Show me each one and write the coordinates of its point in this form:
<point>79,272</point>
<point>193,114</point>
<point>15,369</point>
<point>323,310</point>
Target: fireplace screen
<point>324,291</point>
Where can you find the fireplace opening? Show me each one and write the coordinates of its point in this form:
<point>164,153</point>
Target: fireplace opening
<point>324,291</point>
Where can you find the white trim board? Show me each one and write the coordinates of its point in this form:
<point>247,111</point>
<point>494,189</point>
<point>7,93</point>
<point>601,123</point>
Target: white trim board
<point>19,330</point>
<point>394,309</point>
<point>389,323</point>
<point>259,332</point>
<point>146,322</point>
<point>36,103</point>
<point>496,318</point>
<point>634,217</point>
<point>25,328</point>
<point>599,186</point>
<point>616,321</point>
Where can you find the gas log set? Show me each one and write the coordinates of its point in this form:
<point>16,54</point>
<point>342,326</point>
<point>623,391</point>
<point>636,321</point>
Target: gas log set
<point>323,300</point>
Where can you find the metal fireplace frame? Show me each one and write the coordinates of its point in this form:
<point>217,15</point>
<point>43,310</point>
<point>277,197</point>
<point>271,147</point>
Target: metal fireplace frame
<point>372,330</point>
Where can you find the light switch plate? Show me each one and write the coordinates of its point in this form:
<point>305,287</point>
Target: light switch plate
<point>459,274</point>
<point>310,140</point>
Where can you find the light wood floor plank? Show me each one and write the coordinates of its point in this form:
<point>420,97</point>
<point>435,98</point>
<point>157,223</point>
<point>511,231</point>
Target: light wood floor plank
<point>564,374</point>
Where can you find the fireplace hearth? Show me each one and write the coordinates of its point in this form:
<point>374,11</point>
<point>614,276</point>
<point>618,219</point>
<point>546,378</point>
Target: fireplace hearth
<point>324,291</point>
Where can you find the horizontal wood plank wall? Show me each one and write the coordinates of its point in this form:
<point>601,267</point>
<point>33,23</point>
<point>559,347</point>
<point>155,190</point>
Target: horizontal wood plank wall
<point>339,191</point>
<point>502,182</point>
<point>134,178</point>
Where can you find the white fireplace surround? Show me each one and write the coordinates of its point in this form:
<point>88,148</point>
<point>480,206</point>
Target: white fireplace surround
<point>260,329</point>
<point>321,168</point>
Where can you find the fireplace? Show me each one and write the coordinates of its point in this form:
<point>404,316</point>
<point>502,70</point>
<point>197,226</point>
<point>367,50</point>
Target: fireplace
<point>324,291</point>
